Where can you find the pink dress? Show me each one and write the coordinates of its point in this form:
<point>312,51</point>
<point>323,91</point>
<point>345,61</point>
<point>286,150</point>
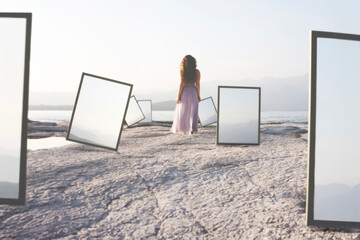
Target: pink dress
<point>186,113</point>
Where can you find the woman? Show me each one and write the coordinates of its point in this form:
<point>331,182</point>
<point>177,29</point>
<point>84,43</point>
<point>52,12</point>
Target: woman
<point>187,103</point>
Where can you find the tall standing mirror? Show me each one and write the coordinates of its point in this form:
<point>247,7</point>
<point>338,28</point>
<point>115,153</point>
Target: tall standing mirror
<point>99,111</point>
<point>333,198</point>
<point>207,112</point>
<point>238,115</point>
<point>134,113</point>
<point>15,29</point>
<point>146,108</point>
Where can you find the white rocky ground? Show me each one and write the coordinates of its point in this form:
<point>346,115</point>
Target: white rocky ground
<point>165,186</point>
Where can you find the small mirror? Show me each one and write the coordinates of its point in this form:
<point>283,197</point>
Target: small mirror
<point>207,112</point>
<point>99,111</point>
<point>134,113</point>
<point>238,115</point>
<point>146,108</point>
<point>14,90</point>
<point>334,159</point>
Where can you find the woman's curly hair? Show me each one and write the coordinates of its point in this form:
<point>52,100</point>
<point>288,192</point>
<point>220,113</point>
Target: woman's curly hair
<point>188,69</point>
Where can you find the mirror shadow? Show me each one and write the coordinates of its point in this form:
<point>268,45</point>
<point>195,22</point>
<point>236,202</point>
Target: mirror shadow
<point>146,108</point>
<point>134,113</point>
<point>14,89</point>
<point>238,115</point>
<point>334,181</point>
<point>207,112</point>
<point>99,111</point>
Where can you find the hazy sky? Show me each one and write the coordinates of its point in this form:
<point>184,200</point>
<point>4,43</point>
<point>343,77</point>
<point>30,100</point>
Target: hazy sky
<point>337,133</point>
<point>143,42</point>
<point>12,49</point>
<point>100,110</point>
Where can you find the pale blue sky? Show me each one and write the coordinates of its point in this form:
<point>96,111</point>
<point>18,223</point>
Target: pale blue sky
<point>143,42</point>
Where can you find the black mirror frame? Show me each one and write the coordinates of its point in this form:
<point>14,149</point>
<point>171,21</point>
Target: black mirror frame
<point>215,111</point>
<point>310,221</point>
<point>219,110</point>
<point>24,127</point>
<point>140,111</point>
<point>76,101</point>
<point>146,100</point>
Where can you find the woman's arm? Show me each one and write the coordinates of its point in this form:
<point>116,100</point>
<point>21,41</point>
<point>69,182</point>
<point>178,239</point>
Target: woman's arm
<point>198,83</point>
<point>180,90</point>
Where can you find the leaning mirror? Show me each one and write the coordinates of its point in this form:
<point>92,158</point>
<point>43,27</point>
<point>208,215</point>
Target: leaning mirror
<point>334,159</point>
<point>134,113</point>
<point>238,115</point>
<point>99,111</point>
<point>207,112</point>
<point>146,108</point>
<point>15,29</point>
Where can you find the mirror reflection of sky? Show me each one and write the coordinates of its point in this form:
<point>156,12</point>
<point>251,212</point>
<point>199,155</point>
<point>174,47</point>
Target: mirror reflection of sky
<point>238,115</point>
<point>145,106</point>
<point>337,158</point>
<point>207,111</point>
<point>134,113</point>
<point>99,111</point>
<point>12,53</point>
<point>338,101</point>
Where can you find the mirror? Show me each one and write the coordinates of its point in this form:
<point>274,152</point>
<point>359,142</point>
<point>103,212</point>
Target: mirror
<point>99,111</point>
<point>207,112</point>
<point>334,160</point>
<point>238,115</point>
<point>146,108</point>
<point>134,113</point>
<point>15,31</point>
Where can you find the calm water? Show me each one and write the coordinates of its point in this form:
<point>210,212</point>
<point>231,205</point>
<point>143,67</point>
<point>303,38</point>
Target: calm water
<point>49,115</point>
<point>59,116</point>
<point>266,116</point>
<point>43,143</point>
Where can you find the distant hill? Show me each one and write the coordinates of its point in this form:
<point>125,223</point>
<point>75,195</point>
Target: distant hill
<point>164,106</point>
<point>277,94</point>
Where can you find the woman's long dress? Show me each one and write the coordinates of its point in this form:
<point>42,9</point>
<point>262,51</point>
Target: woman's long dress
<point>186,112</point>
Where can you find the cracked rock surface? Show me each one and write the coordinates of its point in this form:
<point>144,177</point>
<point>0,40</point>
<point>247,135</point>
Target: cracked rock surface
<point>165,186</point>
